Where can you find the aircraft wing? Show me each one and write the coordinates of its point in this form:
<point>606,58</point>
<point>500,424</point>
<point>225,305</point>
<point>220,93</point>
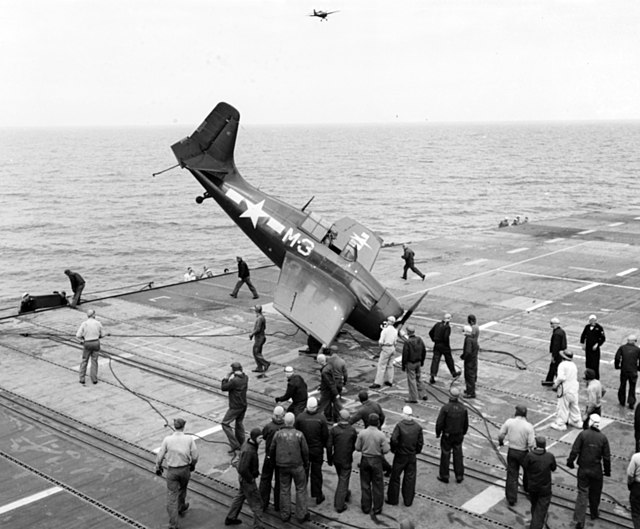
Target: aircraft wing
<point>311,299</point>
<point>352,233</point>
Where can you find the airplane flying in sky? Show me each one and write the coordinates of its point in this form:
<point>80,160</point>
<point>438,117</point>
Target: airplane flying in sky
<point>325,268</point>
<point>322,15</point>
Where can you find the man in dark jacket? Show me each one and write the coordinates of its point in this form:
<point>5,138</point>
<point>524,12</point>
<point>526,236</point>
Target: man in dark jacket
<point>315,429</point>
<point>406,442</point>
<point>409,262</point>
<point>470,357</point>
<point>340,374</point>
<point>538,464</point>
<point>452,424</point>
<point>269,466</point>
<point>413,355</point>
<point>290,452</point>
<point>244,276</point>
<point>77,286</point>
<point>296,391</point>
<point>636,427</point>
<point>367,407</point>
<point>340,448</point>
<point>557,344</point>
<point>592,338</point>
<point>627,360</point>
<point>591,448</point>
<point>259,338</point>
<point>248,465</point>
<point>236,384</point>
<point>328,390</point>
<point>439,335</point>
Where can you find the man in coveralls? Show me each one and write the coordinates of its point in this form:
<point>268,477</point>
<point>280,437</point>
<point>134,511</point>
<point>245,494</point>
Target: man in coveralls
<point>452,424</point>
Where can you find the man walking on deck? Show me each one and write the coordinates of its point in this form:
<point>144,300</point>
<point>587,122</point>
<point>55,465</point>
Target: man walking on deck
<point>77,286</point>
<point>592,338</point>
<point>627,360</point>
<point>90,332</point>
<point>538,465</point>
<point>414,353</point>
<point>408,255</point>
<point>470,358</point>
<point>259,338</point>
<point>568,389</point>
<point>439,335</point>
<point>452,424</point>
<point>557,344</point>
<point>236,384</point>
<point>179,452</point>
<point>244,276</point>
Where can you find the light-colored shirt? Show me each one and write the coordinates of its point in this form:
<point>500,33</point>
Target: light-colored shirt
<point>594,395</point>
<point>518,433</point>
<point>372,442</point>
<point>91,329</point>
<point>177,450</point>
<point>388,336</point>
<point>633,470</point>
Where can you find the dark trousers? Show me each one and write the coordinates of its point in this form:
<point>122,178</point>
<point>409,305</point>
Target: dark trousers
<point>177,481</point>
<point>77,294</point>
<point>634,501</point>
<point>297,474</point>
<point>412,267</point>
<point>448,444</point>
<point>592,361</point>
<point>248,491</point>
<point>235,436</point>
<point>90,350</point>
<point>342,488</point>
<point>297,407</point>
<point>585,423</point>
<point>471,375</point>
<point>438,352</point>
<point>631,377</point>
<point>589,486</point>
<point>553,367</point>
<point>371,484</point>
<point>330,406</point>
<point>314,471</point>
<point>246,280</point>
<point>268,470</point>
<point>258,342</point>
<point>514,462</point>
<point>540,501</point>
<point>402,464</point>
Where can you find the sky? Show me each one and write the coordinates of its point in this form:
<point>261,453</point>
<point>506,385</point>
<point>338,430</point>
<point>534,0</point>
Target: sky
<point>161,62</point>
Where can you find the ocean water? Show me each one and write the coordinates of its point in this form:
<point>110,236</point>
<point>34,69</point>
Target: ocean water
<point>86,199</point>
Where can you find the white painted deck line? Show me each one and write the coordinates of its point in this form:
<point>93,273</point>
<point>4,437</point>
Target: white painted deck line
<point>488,324</point>
<point>626,272</point>
<point>557,239</point>
<point>477,261</point>
<point>614,224</point>
<point>518,250</point>
<point>586,287</point>
<point>484,501</point>
<point>203,433</point>
<point>431,274</point>
<point>585,232</point>
<point>636,218</point>
<point>29,499</point>
<point>543,304</point>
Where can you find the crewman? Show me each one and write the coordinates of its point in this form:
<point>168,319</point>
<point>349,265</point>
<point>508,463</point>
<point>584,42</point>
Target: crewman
<point>180,454</point>
<point>387,341</point>
<point>315,429</point>
<point>595,392</point>
<point>627,360</point>
<point>591,448</point>
<point>538,465</point>
<point>236,383</point>
<point>470,358</point>
<point>414,353</point>
<point>339,366</point>
<point>328,404</point>
<point>592,338</point>
<point>439,335</point>
<point>406,442</point>
<point>567,385</point>
<point>290,452</point>
<point>373,445</point>
<point>77,286</point>
<point>520,436</point>
<point>244,276</point>
<point>340,447</point>
<point>452,424</point>
<point>633,484</point>
<point>90,332</point>
<point>366,408</point>
<point>409,262</point>
<point>296,391</point>
<point>558,343</point>
<point>268,465</point>
<point>259,338</point>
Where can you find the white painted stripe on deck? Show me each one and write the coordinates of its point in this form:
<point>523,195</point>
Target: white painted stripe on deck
<point>518,250</point>
<point>585,232</point>
<point>431,274</point>
<point>636,218</point>
<point>626,272</point>
<point>586,287</point>
<point>557,239</point>
<point>488,324</point>
<point>614,224</point>
<point>484,501</point>
<point>29,499</point>
<point>477,261</point>
<point>203,433</point>
<point>544,303</point>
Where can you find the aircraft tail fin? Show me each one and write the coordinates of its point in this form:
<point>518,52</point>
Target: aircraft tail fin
<point>211,146</point>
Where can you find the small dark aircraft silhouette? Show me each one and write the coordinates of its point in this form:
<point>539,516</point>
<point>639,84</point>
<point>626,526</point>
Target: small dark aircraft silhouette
<point>325,268</point>
<point>322,15</point>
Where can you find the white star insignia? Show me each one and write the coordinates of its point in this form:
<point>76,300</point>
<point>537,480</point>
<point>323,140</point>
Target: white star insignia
<point>254,212</point>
